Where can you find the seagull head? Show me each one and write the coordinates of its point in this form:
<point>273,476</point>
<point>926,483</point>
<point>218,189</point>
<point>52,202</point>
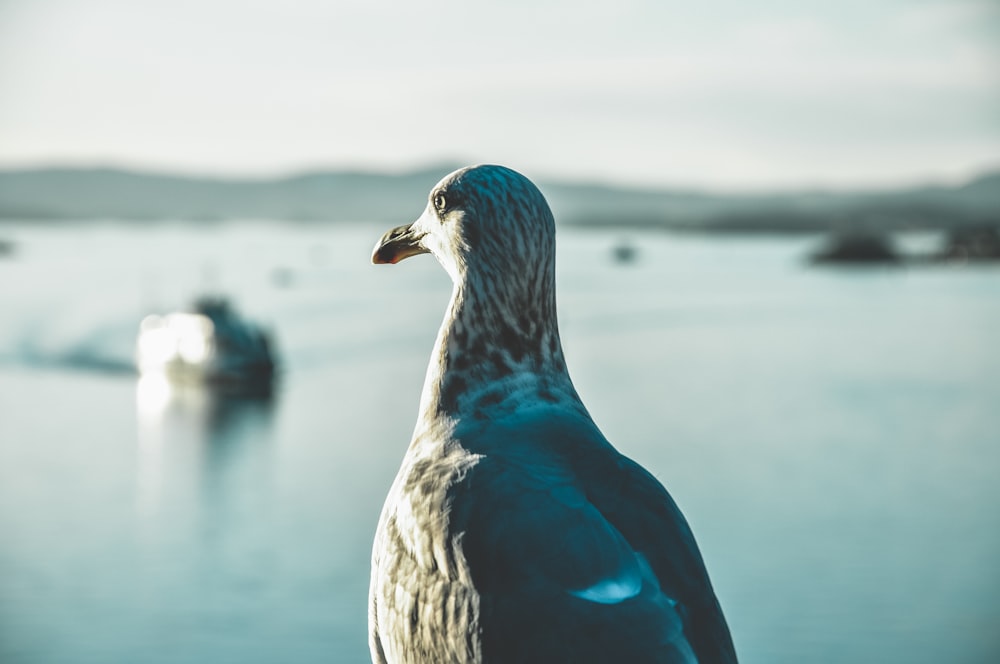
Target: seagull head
<point>484,222</point>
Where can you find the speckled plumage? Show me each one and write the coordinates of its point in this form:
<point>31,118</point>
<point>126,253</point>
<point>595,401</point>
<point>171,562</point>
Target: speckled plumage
<point>514,531</point>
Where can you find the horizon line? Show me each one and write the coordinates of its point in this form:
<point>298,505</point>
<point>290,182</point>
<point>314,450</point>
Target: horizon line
<point>446,164</point>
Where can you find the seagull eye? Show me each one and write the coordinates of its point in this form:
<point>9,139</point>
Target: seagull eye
<point>440,202</point>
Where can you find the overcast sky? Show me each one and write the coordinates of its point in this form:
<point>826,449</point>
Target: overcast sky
<point>747,95</point>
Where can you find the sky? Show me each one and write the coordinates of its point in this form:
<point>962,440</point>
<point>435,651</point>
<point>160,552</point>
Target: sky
<point>771,94</point>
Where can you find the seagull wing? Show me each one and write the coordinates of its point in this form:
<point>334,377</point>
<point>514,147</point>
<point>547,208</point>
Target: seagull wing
<point>642,510</point>
<point>557,581</point>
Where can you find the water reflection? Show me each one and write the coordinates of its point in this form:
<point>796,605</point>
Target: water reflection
<point>198,444</point>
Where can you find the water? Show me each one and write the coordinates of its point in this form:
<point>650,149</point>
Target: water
<point>832,435</point>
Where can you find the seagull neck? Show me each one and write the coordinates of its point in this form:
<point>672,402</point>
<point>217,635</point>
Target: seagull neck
<point>493,355</point>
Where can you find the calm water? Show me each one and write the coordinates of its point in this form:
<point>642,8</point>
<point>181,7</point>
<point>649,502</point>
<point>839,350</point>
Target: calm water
<point>833,437</point>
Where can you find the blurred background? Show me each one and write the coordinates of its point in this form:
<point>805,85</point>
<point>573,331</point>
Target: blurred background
<point>779,290</point>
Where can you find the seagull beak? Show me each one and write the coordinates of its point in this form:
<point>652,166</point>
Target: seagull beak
<point>399,243</point>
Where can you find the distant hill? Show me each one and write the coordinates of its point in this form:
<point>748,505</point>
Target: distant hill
<point>70,194</point>
<point>62,193</point>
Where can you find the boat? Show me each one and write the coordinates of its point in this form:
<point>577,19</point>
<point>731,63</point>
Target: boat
<point>857,248</point>
<point>624,252</point>
<point>210,345</point>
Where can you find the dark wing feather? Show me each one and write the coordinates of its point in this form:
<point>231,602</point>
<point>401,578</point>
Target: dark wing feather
<point>554,506</point>
<point>532,466</point>
<point>642,510</point>
<point>531,539</point>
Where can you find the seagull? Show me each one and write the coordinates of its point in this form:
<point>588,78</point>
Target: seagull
<point>514,531</point>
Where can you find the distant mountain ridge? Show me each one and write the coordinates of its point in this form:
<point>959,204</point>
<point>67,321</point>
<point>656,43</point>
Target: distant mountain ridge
<point>65,194</point>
